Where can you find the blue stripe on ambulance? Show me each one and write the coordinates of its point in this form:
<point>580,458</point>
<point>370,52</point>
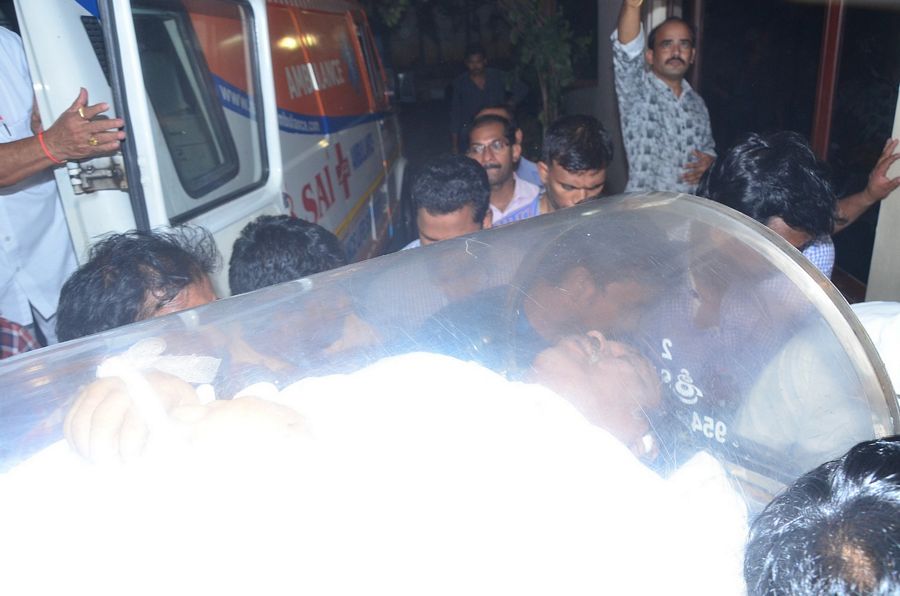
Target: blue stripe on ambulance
<point>237,100</point>
<point>90,6</point>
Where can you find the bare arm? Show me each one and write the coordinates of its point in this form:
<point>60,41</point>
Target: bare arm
<point>629,20</point>
<point>68,138</point>
<point>877,189</point>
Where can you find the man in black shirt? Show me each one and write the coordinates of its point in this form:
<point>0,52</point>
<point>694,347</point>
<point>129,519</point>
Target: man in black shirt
<point>477,89</point>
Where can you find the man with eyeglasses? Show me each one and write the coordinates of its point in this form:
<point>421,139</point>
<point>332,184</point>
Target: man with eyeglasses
<point>492,143</point>
<point>665,123</point>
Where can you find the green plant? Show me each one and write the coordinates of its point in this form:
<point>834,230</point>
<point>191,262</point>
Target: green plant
<point>544,41</point>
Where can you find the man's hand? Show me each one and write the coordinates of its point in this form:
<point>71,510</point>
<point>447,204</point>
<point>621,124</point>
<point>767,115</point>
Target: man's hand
<point>76,135</point>
<point>104,424</point>
<point>880,186</point>
<point>694,170</point>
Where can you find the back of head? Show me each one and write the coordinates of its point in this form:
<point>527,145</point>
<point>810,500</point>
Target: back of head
<point>578,247</point>
<point>774,175</point>
<point>578,143</point>
<point>273,249</point>
<point>836,530</point>
<point>131,276</point>
<point>448,183</point>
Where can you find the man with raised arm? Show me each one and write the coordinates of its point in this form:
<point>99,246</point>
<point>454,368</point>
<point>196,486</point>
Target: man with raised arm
<point>665,124</point>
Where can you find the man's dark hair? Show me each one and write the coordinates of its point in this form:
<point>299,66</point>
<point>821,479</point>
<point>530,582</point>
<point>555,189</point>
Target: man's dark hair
<point>578,247</point>
<point>774,175</point>
<point>578,143</point>
<point>273,249</point>
<point>509,129</point>
<point>836,530</point>
<point>129,277</point>
<point>651,39</point>
<point>448,183</point>
<point>474,49</point>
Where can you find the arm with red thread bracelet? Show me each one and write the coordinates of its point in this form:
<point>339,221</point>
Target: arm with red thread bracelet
<point>40,136</point>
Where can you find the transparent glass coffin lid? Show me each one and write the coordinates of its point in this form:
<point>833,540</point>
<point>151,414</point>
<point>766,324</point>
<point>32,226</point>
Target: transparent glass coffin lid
<point>679,327</point>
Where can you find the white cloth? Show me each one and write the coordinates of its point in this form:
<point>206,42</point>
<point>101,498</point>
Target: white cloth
<point>36,255</point>
<point>807,404</point>
<point>882,323</point>
<point>524,193</point>
<point>419,474</point>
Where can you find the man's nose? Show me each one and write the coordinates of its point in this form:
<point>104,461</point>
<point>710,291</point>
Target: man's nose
<point>482,157</point>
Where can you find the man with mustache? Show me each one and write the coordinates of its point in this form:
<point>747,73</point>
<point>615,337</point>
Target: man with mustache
<point>665,124</point>
<point>493,144</point>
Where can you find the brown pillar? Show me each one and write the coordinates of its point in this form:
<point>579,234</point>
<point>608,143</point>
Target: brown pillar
<point>829,62</point>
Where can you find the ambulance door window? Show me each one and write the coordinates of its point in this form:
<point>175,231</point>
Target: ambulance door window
<point>334,73</point>
<point>373,65</point>
<point>199,69</point>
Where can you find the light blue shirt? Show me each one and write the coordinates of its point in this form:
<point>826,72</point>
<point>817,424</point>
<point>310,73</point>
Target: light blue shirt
<point>528,171</point>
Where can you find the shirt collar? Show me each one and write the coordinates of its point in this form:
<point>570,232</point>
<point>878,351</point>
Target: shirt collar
<point>686,88</point>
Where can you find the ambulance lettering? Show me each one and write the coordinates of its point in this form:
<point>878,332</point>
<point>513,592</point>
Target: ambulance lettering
<point>299,80</point>
<point>343,171</point>
<point>362,150</point>
<point>303,79</point>
<point>318,195</point>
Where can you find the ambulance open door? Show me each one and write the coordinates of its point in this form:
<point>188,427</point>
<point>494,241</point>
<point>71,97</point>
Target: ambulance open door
<point>193,81</point>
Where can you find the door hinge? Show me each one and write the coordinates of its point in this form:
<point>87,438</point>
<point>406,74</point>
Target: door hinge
<point>102,173</point>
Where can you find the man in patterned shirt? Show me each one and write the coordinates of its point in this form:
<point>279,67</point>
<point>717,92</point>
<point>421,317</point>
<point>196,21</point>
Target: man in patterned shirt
<point>665,124</point>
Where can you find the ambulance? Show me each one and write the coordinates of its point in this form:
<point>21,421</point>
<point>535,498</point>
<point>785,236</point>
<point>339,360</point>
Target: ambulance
<point>233,109</point>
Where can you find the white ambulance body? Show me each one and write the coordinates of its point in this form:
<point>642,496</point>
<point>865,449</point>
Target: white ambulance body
<point>233,108</point>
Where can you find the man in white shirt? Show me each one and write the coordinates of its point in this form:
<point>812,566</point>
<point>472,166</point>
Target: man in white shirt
<point>525,168</point>
<point>492,143</point>
<point>36,254</point>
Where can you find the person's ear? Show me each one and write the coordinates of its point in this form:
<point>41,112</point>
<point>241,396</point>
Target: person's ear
<point>648,56</point>
<point>518,136</point>
<point>543,172</point>
<point>516,152</point>
<point>488,220</point>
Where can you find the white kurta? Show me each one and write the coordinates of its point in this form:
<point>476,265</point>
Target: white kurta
<point>36,255</point>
